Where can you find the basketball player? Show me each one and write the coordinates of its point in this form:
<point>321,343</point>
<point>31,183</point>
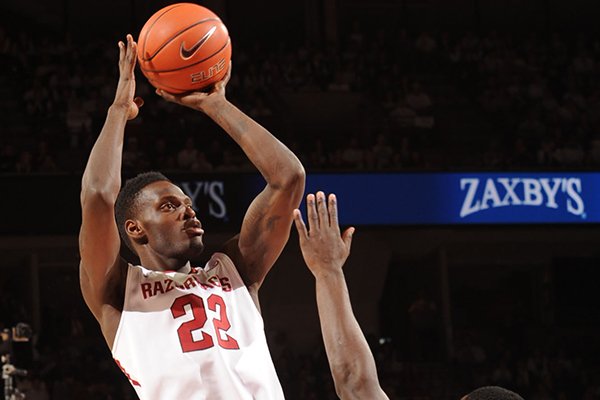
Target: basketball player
<point>179,331</point>
<point>325,250</point>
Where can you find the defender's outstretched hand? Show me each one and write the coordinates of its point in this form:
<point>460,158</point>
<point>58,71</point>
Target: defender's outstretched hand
<point>125,95</point>
<point>323,247</point>
<point>199,100</point>
<point>325,251</point>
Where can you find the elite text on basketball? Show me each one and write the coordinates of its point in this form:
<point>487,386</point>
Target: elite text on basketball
<point>203,75</point>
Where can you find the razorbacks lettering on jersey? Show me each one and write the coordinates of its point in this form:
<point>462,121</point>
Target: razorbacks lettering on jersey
<point>192,336</point>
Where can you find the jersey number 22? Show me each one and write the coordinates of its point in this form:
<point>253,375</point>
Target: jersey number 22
<point>221,324</point>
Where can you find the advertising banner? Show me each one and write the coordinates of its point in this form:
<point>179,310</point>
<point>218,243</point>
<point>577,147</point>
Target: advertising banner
<point>41,204</point>
<point>463,198</point>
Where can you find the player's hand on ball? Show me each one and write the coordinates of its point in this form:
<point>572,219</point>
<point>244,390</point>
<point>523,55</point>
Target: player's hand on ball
<point>200,101</point>
<point>323,247</point>
<point>125,95</point>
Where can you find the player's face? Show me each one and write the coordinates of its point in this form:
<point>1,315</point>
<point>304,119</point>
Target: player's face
<point>169,222</point>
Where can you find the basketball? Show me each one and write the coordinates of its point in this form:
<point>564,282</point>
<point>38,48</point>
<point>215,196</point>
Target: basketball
<point>184,47</point>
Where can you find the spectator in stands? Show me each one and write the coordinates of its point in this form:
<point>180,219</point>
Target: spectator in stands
<point>420,101</point>
<point>403,115</point>
<point>570,153</point>
<point>511,77</point>
<point>187,155</point>
<point>161,158</point>
<point>24,164</point>
<point>352,155</point>
<point>260,110</point>
<point>201,163</point>
<point>133,156</point>
<point>8,158</point>
<point>317,157</point>
<point>382,152</point>
<point>34,388</point>
<point>423,327</point>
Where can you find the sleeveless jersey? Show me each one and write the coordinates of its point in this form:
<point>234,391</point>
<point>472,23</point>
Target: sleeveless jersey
<point>193,336</point>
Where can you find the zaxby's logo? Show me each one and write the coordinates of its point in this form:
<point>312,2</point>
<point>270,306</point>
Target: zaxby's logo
<point>554,193</point>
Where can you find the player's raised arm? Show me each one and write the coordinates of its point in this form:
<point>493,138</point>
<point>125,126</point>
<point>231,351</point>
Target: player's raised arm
<point>266,226</point>
<point>325,251</point>
<point>99,241</point>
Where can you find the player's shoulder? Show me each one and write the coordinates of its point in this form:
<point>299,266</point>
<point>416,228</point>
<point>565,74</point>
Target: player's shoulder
<point>221,264</point>
<point>219,259</point>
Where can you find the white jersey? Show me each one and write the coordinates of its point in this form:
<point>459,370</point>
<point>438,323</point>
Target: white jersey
<point>193,336</point>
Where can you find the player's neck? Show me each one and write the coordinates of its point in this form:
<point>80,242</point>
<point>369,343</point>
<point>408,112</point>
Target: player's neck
<point>157,262</point>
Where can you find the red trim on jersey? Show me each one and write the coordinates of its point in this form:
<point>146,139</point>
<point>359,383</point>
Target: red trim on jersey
<point>133,381</point>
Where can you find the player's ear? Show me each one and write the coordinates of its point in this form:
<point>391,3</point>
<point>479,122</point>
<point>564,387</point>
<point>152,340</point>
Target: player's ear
<point>134,230</point>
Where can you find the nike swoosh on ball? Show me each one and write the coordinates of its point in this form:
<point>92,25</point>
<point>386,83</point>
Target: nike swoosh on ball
<point>186,54</point>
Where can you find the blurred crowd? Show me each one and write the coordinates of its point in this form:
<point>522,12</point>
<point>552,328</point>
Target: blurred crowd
<point>424,100</point>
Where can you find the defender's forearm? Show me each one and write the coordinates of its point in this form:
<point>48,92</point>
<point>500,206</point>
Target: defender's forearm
<point>350,357</point>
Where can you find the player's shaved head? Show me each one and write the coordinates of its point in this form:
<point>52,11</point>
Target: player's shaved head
<point>492,393</point>
<point>125,206</point>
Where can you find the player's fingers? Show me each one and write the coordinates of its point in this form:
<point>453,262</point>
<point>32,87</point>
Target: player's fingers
<point>121,51</point>
<point>333,212</point>
<point>167,96</point>
<point>129,44</point>
<point>228,74</point>
<point>133,54</point>
<point>223,82</point>
<point>322,210</point>
<point>311,211</point>
<point>347,237</point>
<point>300,226</point>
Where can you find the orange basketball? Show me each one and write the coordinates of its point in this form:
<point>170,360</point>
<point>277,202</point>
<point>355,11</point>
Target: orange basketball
<point>184,47</point>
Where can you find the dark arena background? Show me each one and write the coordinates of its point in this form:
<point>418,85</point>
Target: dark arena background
<point>462,138</point>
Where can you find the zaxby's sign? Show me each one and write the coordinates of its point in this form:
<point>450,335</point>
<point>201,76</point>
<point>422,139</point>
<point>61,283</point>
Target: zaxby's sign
<point>559,194</point>
<point>464,198</point>
<point>221,200</point>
